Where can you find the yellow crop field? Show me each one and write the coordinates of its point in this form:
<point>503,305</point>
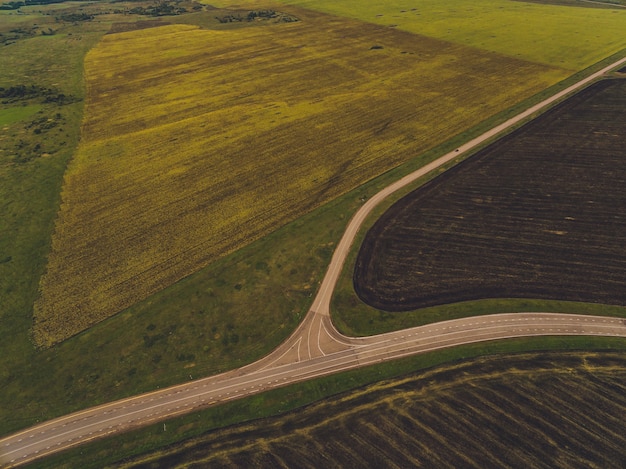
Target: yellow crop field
<point>197,142</point>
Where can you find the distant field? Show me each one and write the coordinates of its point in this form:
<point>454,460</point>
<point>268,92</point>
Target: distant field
<point>565,36</point>
<point>197,142</point>
<point>582,3</point>
<point>557,410</point>
<point>538,214</point>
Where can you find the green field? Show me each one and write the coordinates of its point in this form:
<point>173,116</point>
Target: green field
<point>495,25</point>
<point>202,324</point>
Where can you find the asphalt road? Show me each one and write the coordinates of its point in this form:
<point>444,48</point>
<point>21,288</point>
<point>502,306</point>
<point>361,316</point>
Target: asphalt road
<point>325,356</point>
<point>315,349</point>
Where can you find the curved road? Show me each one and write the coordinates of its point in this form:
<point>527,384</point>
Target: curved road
<point>315,349</point>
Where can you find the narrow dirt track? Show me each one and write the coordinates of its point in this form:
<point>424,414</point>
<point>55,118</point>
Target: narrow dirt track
<point>316,348</point>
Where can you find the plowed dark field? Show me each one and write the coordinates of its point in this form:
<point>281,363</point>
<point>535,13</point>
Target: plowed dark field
<point>539,214</point>
<point>533,410</point>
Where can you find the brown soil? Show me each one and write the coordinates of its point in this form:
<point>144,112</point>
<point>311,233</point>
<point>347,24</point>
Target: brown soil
<point>539,214</point>
<point>531,410</point>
